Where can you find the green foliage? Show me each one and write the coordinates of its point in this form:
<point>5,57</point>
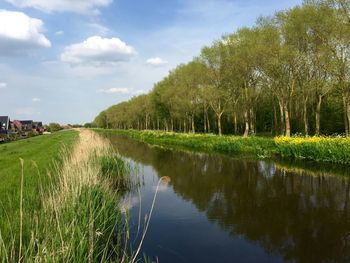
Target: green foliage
<point>88,125</point>
<point>32,134</point>
<point>320,149</point>
<point>53,127</point>
<point>253,146</point>
<point>280,77</point>
<point>335,150</point>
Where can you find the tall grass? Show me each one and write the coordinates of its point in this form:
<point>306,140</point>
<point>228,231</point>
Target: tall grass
<point>116,170</point>
<point>80,220</point>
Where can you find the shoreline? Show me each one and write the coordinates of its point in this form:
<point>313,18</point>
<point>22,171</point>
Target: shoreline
<point>331,150</point>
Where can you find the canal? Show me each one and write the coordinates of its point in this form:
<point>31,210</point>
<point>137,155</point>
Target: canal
<point>221,209</point>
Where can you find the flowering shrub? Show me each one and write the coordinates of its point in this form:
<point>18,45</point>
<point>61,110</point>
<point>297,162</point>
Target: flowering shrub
<point>330,149</point>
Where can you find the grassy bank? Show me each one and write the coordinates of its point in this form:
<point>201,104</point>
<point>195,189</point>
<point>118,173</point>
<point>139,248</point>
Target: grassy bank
<point>39,155</point>
<point>75,216</point>
<point>320,149</point>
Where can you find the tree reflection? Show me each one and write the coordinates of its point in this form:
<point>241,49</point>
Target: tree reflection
<point>301,217</point>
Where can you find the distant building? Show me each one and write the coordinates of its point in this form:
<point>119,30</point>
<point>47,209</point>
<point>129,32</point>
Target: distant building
<point>16,126</point>
<point>27,125</point>
<point>38,126</point>
<point>4,123</point>
<point>4,127</point>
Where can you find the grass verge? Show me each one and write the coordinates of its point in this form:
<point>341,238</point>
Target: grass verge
<point>320,149</point>
<point>38,155</point>
<point>79,219</point>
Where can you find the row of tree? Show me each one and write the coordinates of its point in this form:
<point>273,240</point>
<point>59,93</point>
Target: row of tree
<point>287,74</point>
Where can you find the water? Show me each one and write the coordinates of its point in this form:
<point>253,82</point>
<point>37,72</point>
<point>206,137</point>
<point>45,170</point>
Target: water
<point>219,209</point>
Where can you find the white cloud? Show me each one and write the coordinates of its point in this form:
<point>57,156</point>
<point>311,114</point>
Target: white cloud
<point>125,91</point>
<point>36,99</point>
<point>19,32</point>
<point>59,33</point>
<point>100,29</point>
<point>76,6</point>
<point>98,51</point>
<point>26,111</point>
<point>3,85</point>
<point>156,62</point>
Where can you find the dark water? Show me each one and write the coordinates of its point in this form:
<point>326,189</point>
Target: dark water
<point>218,209</point>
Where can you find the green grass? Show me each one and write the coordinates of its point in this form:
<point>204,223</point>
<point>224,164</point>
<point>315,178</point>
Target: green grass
<point>70,209</point>
<point>116,170</point>
<point>38,154</point>
<point>320,149</point>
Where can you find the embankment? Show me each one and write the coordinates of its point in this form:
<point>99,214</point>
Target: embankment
<point>79,214</point>
<point>320,149</point>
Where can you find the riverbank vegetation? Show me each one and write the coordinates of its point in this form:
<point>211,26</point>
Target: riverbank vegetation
<point>320,149</point>
<point>287,74</point>
<point>38,154</point>
<point>74,216</point>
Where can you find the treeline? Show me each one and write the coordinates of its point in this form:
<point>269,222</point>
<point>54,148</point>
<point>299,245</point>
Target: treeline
<point>287,74</point>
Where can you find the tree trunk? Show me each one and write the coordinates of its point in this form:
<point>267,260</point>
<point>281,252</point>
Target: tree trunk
<point>318,115</point>
<point>347,113</point>
<point>306,123</point>
<point>275,120</point>
<point>251,119</point>
<point>208,124</point>
<point>166,125</point>
<point>172,125</point>
<point>185,128</point>
<point>235,122</point>
<point>219,124</point>
<point>246,120</point>
<point>282,126</point>
<point>192,122</point>
<point>346,124</point>
<point>287,120</point>
<point>205,120</point>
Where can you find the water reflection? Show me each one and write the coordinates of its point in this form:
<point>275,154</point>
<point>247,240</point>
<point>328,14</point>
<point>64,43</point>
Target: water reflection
<point>290,214</point>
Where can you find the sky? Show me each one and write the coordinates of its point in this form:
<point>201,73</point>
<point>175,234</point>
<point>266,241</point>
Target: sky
<point>67,60</point>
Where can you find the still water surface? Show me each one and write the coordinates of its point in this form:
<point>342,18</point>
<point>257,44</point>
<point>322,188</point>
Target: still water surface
<point>219,209</point>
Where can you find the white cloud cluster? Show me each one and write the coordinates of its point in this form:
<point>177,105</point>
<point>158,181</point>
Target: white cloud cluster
<point>36,99</point>
<point>3,85</point>
<point>19,32</point>
<point>156,62</point>
<point>125,91</point>
<point>76,6</point>
<point>98,51</point>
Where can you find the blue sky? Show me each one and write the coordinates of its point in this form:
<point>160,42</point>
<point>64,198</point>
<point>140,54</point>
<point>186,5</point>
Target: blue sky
<point>65,61</point>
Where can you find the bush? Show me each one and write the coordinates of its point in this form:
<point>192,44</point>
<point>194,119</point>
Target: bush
<point>53,127</point>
